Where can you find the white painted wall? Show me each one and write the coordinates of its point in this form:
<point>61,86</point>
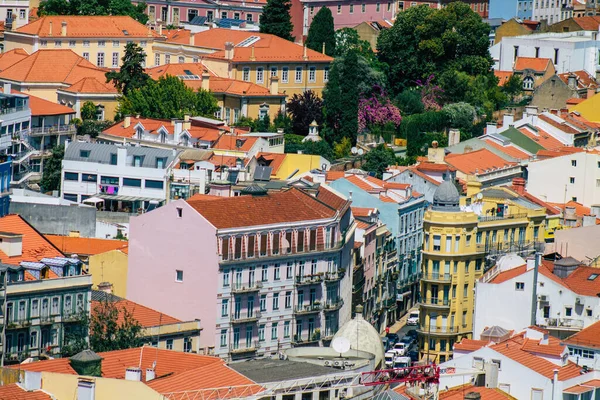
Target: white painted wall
<point>551,10</point>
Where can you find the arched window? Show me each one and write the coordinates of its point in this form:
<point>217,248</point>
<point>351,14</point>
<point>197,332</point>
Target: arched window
<point>528,83</point>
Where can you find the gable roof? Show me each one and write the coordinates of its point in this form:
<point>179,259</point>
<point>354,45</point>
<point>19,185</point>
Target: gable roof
<point>85,246</point>
<point>12,57</point>
<point>587,337</point>
<point>583,79</point>
<point>588,23</point>
<point>532,63</point>
<point>14,391</point>
<point>503,76</point>
<point>540,137</point>
<point>477,162</point>
<point>470,344</point>
<point>35,245</point>
<point>231,142</point>
<point>273,160</point>
<point>43,107</point>
<point>459,392</point>
<point>146,316</point>
<point>293,205</point>
<point>508,149</point>
<point>80,26</point>
<point>91,85</point>
<point>562,125</point>
<point>197,130</point>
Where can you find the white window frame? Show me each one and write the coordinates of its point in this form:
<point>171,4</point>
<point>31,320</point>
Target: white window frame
<point>285,74</point>
<point>298,74</point>
<point>260,75</point>
<point>312,74</point>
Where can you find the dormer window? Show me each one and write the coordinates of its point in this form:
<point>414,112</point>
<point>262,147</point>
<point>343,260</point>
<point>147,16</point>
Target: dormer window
<point>138,160</point>
<point>161,162</point>
<point>139,132</point>
<point>113,159</point>
<point>84,153</point>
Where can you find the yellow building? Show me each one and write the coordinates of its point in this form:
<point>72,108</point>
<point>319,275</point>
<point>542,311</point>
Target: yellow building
<point>249,57</point>
<point>458,240</point>
<point>99,39</point>
<point>288,165</point>
<point>589,108</point>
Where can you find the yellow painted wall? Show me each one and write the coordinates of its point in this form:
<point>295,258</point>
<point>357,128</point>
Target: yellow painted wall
<point>589,109</point>
<point>64,387</point>
<point>110,267</point>
<point>46,93</point>
<point>302,162</point>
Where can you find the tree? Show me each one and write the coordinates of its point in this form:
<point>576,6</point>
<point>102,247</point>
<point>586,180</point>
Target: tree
<point>409,102</point>
<point>304,109</point>
<point>167,98</point>
<point>424,42</point>
<point>276,19</point>
<point>52,170</point>
<point>513,87</point>
<point>378,159</point>
<point>460,115</point>
<point>94,7</point>
<point>294,143</point>
<point>377,110</point>
<point>131,75</point>
<point>322,32</point>
<point>88,111</point>
<point>109,332</point>
<point>347,39</point>
<point>76,336</point>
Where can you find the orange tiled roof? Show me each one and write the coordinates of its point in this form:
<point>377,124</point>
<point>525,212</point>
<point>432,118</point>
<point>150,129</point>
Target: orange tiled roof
<point>509,274</point>
<point>588,23</point>
<point>35,246</point>
<point>363,225</point>
<point>578,281</point>
<point>53,66</point>
<point>386,199</point>
<point>574,100</point>
<point>458,393</point>
<point>427,166</point>
<point>12,57</point>
<point>331,198</point>
<point>583,79</point>
<point>219,160</point>
<point>587,337</point>
<point>477,162</point>
<point>91,85</point>
<point>424,176</point>
<point>503,76</point>
<point>583,387</point>
<point>42,107</point>
<point>197,130</point>
<point>535,64</point>
<point>554,347</point>
<point>334,175</point>
<point>146,316</point>
<point>15,392</point>
<point>559,125</point>
<point>557,152</point>
<point>230,142</point>
<point>470,344</point>
<point>542,138</point>
<point>580,209</point>
<point>292,205</point>
<point>85,246</point>
<point>364,184</point>
<point>363,211</point>
<point>109,27</point>
<point>509,150</point>
<point>273,160</point>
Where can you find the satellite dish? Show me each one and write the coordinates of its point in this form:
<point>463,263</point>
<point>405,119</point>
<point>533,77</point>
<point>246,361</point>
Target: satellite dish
<point>361,152</point>
<point>354,150</point>
<point>340,345</point>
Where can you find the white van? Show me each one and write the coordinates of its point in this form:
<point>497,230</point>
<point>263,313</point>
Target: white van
<point>389,359</point>
<point>413,318</point>
<point>400,348</point>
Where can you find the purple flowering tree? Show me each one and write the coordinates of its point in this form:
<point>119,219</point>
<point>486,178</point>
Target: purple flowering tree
<point>430,94</point>
<point>377,110</point>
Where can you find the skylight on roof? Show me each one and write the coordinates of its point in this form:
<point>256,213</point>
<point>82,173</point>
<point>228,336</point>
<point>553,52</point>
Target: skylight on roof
<point>248,41</point>
<point>592,277</point>
<point>125,32</point>
<point>189,77</point>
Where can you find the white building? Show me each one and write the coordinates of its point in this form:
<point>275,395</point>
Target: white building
<point>573,177</point>
<point>17,11</point>
<point>552,11</point>
<point>565,299</point>
<point>569,51</point>
<point>124,178</point>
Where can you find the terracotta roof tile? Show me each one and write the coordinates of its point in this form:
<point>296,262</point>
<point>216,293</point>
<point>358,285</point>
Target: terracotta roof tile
<point>559,125</point>
<point>574,100</point>
<point>581,283</point>
<point>433,167</point>
<point>580,209</point>
<point>85,246</point>
<point>470,344</point>
<point>583,79</point>
<point>91,85</point>
<point>424,176</point>
<point>235,142</point>
<point>542,138</point>
<point>509,274</point>
<point>42,107</point>
<point>35,246</point>
<point>88,26</point>
<point>557,152</point>
<point>146,316</point>
<point>459,392</point>
<point>12,57</point>
<point>292,205</point>
<point>198,130</point>
<point>510,150</point>
<point>334,175</point>
<point>503,76</point>
<point>15,392</point>
<point>587,337</point>
<point>273,160</point>
<point>588,23</point>
<point>363,225</point>
<point>363,211</point>
<point>477,162</point>
<point>331,198</point>
<point>535,64</point>
<point>387,199</point>
<point>554,347</point>
<point>583,387</point>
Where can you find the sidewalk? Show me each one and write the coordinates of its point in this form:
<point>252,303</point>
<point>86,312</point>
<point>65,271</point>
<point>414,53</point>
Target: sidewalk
<point>401,322</point>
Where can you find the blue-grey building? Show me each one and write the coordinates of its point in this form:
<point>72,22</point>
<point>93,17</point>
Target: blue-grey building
<point>5,174</point>
<point>508,9</point>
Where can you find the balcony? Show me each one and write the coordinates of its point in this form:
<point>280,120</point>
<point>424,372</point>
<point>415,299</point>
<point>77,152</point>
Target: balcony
<point>309,279</point>
<point>46,319</point>
<point>306,340</point>
<point>245,318</point>
<point>19,323</point>
<point>436,303</point>
<point>439,330</point>
<point>502,217</point>
<point>308,309</point>
<point>17,355</point>
<point>437,277</point>
<point>53,130</point>
<point>250,348</point>
<point>334,305</point>
<point>389,303</point>
<point>569,324</point>
<point>239,287</point>
<point>334,276</point>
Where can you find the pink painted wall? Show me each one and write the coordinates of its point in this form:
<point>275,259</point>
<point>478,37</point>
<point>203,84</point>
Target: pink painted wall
<point>369,260</point>
<point>161,243</point>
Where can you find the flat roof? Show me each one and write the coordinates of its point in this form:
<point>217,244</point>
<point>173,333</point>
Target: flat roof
<point>272,370</point>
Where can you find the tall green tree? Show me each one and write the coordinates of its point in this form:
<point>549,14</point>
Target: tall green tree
<point>168,98</point>
<point>304,109</point>
<point>347,39</point>
<point>88,111</point>
<point>276,19</point>
<point>131,75</point>
<point>112,328</point>
<point>94,7</point>
<point>424,42</point>
<point>322,32</point>
<point>378,159</point>
<point>52,170</point>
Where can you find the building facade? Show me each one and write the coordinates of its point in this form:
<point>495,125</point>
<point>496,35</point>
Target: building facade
<point>552,12</point>
<point>5,177</point>
<point>274,280</point>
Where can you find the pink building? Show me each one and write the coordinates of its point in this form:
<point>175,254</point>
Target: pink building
<point>262,271</point>
<point>179,12</point>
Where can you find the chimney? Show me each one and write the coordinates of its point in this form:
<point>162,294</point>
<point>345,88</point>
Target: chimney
<point>160,29</point>
<point>453,137</point>
<point>274,85</point>
<point>491,128</point>
<point>187,124</point>
<point>11,244</point>
<point>205,81</point>
<point>323,48</point>
<point>74,234</point>
<point>508,120</point>
<point>105,287</point>
<point>49,28</point>
<point>192,39</point>
<point>555,395</point>
<point>519,185</point>
<point>178,127</point>
<point>7,87</point>
<point>473,186</point>
<point>252,57</point>
<point>530,263</point>
<point>127,121</point>
<point>121,156</point>
<point>133,374</point>
<point>86,389</point>
<point>572,81</point>
<point>63,28</point>
<point>150,374</point>
<point>304,54</point>
<point>530,111</point>
<point>229,51</point>
<point>570,212</point>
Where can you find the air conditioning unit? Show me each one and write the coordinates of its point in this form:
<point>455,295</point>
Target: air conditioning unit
<point>542,297</point>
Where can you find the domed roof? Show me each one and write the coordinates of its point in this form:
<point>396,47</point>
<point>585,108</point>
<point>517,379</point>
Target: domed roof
<point>446,197</point>
<point>362,336</point>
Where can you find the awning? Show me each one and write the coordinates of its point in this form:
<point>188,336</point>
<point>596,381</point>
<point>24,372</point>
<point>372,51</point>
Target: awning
<point>107,196</point>
<point>93,200</point>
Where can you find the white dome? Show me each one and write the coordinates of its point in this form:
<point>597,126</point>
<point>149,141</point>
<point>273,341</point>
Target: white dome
<point>362,336</point>
<point>509,261</point>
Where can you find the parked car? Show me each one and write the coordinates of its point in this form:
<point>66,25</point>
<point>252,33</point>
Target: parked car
<point>408,340</point>
<point>414,355</point>
<point>389,359</point>
<point>400,348</point>
<point>413,318</point>
<point>413,334</point>
<point>393,338</point>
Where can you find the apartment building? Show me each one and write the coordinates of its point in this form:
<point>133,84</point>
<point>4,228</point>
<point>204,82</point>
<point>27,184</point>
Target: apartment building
<point>459,241</point>
<point>5,176</point>
<point>16,13</point>
<point>266,280</point>
<point>16,116</point>
<point>120,177</point>
<point>43,293</point>
<point>99,39</point>
<point>508,9</point>
<point>552,11</point>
